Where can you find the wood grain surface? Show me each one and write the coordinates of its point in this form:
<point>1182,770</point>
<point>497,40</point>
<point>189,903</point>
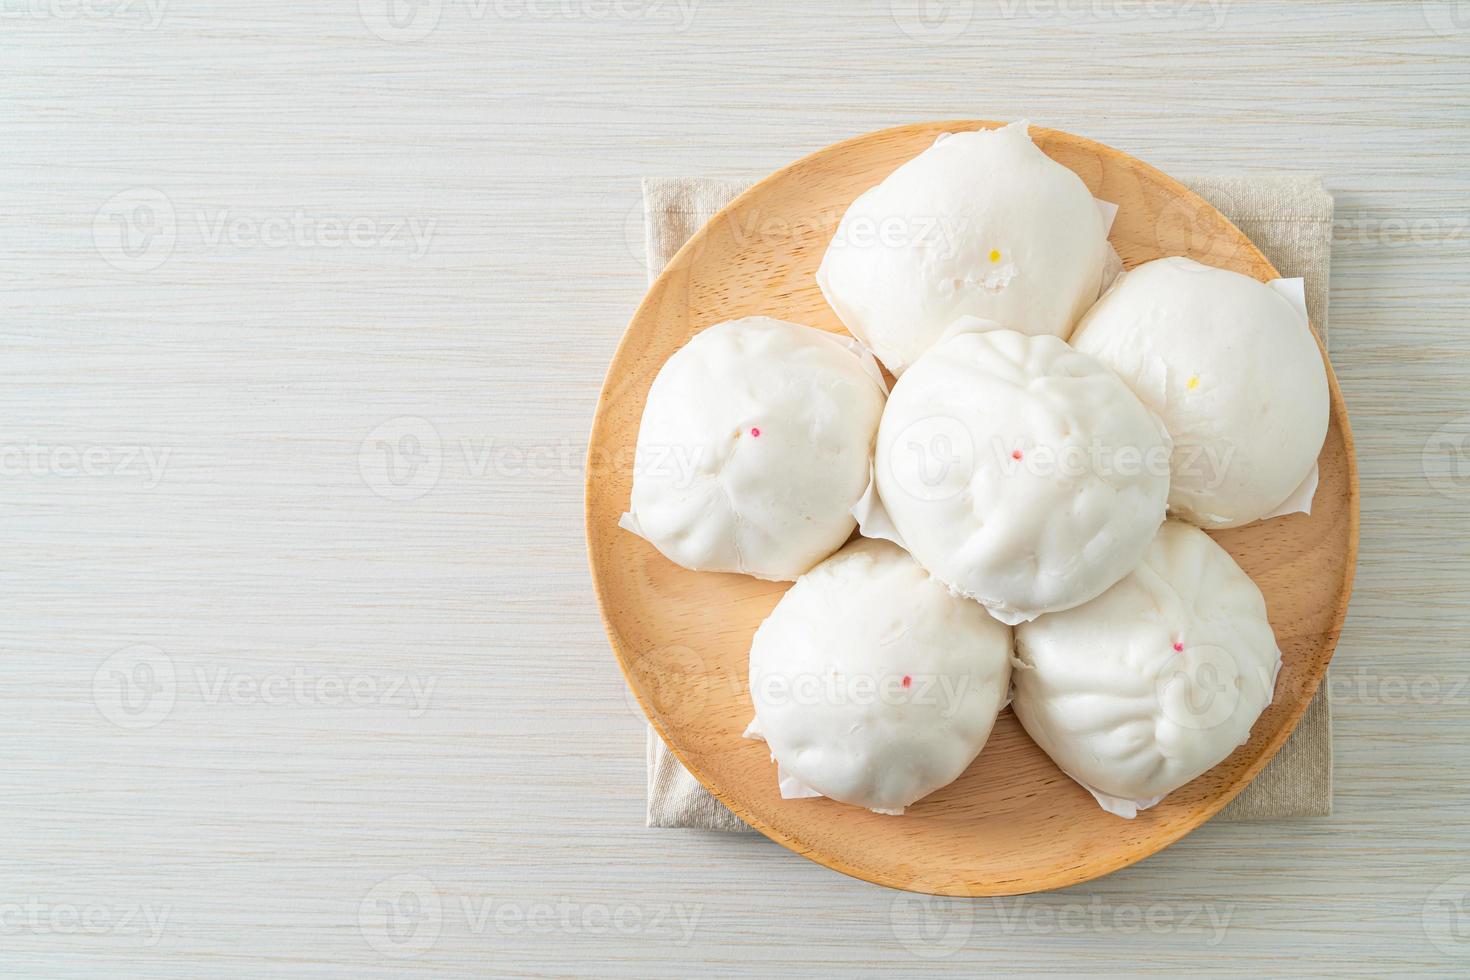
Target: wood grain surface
<point>1013,823</point>
<point>262,825</point>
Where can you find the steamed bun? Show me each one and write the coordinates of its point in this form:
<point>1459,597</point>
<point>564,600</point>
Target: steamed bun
<point>1019,472</point>
<point>982,224</point>
<point>756,440</point>
<point>1231,368</point>
<point>1156,680</point>
<point>874,685</point>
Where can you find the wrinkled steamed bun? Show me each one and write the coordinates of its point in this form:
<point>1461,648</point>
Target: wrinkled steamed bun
<point>982,224</point>
<point>1231,367</point>
<point>1019,472</point>
<point>756,441</point>
<point>1155,681</point>
<point>874,685</point>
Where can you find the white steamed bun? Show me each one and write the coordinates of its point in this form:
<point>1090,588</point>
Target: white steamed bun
<point>872,683</point>
<point>1156,680</point>
<point>1019,472</point>
<point>755,442</point>
<point>1231,367</point>
<point>982,224</point>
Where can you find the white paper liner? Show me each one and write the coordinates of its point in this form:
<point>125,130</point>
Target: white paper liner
<point>872,517</point>
<point>1003,615</point>
<point>1112,269</point>
<point>1117,805</point>
<point>629,522</point>
<point>874,522</point>
<point>1300,500</point>
<point>792,788</point>
<point>1295,291</point>
<point>1112,262</point>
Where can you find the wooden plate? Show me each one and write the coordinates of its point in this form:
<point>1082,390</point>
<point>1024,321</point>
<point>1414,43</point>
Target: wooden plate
<point>1012,823</point>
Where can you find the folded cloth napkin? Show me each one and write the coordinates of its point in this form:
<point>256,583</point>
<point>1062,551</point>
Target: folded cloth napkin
<point>1290,220</point>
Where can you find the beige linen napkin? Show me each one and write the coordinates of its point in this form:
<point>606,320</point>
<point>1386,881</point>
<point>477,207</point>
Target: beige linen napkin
<point>1290,220</point>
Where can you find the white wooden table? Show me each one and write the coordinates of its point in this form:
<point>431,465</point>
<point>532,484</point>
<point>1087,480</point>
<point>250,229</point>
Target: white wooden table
<point>303,312</point>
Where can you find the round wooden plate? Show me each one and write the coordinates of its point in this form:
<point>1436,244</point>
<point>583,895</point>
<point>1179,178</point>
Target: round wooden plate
<point>1013,823</point>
